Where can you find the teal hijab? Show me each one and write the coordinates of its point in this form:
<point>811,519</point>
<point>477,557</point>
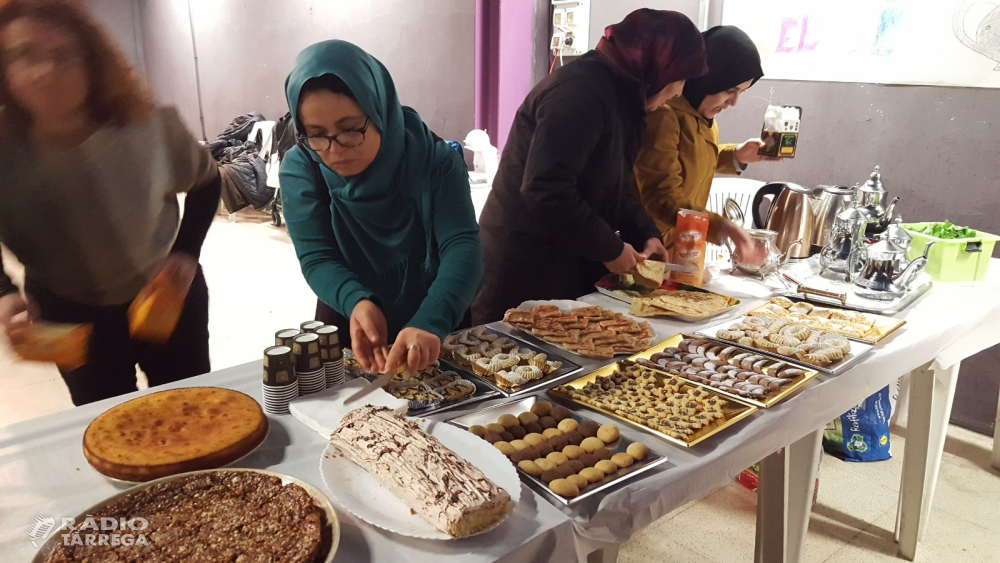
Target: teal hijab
<point>381,215</point>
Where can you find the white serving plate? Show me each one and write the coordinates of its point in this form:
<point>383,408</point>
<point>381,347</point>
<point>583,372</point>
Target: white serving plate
<point>358,492</point>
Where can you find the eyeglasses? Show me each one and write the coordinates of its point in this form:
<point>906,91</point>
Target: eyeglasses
<point>30,58</point>
<point>347,139</point>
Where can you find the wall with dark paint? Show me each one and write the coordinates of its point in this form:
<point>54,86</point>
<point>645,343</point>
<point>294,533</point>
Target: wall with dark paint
<point>247,47</point>
<point>937,148</point>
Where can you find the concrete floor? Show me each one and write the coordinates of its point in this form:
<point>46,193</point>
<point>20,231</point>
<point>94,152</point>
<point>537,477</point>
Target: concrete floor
<point>853,520</point>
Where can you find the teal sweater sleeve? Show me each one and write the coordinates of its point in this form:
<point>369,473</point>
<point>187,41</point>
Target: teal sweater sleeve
<point>461,257</point>
<point>306,207</point>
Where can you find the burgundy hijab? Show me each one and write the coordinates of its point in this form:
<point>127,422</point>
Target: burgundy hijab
<point>656,47</point>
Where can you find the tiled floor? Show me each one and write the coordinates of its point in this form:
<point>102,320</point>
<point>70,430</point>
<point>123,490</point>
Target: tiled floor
<point>256,288</point>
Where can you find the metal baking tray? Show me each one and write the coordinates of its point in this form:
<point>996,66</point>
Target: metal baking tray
<point>735,411</point>
<point>568,369</point>
<point>483,392</point>
<point>858,351</point>
<point>607,286</point>
<point>770,401</point>
<point>491,414</point>
<point>883,326</point>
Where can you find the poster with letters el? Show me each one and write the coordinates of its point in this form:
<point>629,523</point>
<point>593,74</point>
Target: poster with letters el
<point>929,42</point>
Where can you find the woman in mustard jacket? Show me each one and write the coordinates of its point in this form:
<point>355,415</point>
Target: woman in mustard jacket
<point>680,151</point>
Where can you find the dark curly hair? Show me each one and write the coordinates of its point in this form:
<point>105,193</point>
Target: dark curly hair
<point>116,96</point>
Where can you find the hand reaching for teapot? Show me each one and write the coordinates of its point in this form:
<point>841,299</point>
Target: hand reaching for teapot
<point>751,252</point>
<point>746,152</point>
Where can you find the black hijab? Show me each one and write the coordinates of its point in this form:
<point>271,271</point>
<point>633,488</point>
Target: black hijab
<point>732,60</point>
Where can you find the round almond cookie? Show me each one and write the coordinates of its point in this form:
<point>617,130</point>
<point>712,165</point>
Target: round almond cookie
<point>608,433</point>
<point>541,408</point>
<point>578,480</point>
<point>505,448</point>
<point>478,430</point>
<point>637,450</point>
<point>527,417</point>
<point>573,452</point>
<point>607,466</point>
<point>590,445</point>
<point>508,420</point>
<point>534,439</point>
<point>545,464</point>
<point>550,432</point>
<point>564,488</point>
<point>496,427</point>
<point>592,474</point>
<point>568,424</point>
<point>557,458</point>
<point>622,460</point>
<point>520,445</point>
<point>530,467</point>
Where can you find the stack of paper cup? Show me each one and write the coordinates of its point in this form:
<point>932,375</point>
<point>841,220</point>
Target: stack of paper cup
<point>310,326</point>
<point>331,354</point>
<point>284,336</point>
<point>280,384</point>
<point>308,364</point>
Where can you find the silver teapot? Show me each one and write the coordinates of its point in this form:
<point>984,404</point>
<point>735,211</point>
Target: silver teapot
<point>870,199</point>
<point>774,260</point>
<point>879,279</point>
<point>844,253</point>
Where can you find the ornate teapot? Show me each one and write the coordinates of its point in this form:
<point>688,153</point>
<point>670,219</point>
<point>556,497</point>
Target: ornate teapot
<point>774,260</point>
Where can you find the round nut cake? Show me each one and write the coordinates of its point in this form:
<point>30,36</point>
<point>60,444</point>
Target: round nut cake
<point>174,432</point>
<point>212,516</point>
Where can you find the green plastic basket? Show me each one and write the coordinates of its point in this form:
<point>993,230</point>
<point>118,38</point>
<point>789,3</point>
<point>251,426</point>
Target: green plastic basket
<point>953,260</point>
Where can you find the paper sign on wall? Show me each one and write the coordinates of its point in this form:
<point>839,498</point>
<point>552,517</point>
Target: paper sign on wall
<point>934,42</point>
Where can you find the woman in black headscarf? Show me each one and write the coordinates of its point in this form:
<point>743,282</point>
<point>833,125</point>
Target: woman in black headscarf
<point>550,226</point>
<point>680,151</point>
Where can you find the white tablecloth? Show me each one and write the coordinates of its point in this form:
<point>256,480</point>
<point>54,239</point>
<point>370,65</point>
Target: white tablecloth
<point>42,469</point>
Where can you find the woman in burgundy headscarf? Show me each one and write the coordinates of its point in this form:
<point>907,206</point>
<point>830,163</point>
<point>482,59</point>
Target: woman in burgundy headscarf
<point>551,225</point>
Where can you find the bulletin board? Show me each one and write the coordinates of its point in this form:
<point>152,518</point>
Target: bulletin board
<point>930,42</point>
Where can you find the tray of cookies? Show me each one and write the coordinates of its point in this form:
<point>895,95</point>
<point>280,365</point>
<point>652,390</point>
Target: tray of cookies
<point>681,412</point>
<point>828,352</point>
<point>753,378</point>
<point>866,327</point>
<point>567,456</point>
<point>435,389</point>
<point>581,328</point>
<point>505,364</point>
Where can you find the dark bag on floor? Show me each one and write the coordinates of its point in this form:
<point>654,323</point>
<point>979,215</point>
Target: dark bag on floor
<point>862,433</point>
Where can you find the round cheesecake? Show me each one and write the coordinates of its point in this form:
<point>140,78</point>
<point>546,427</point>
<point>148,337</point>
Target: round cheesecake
<point>173,432</point>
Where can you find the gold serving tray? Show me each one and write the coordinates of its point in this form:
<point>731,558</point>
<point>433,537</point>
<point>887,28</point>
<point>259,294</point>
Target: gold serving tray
<point>673,341</point>
<point>735,411</point>
<point>883,326</point>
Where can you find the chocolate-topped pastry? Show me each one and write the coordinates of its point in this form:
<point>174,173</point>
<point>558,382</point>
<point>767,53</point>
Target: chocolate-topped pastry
<point>565,471</point>
<point>507,436</point>
<point>549,476</point>
<point>558,442</point>
<point>588,428</point>
<point>496,428</point>
<point>533,428</point>
<point>548,422</point>
<point>573,437</point>
<point>589,460</point>
<point>517,431</point>
<point>602,453</point>
<point>492,437</point>
<point>575,464</point>
<point>560,412</point>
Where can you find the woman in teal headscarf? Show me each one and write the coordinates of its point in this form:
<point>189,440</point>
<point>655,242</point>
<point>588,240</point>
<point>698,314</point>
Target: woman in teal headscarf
<point>378,208</point>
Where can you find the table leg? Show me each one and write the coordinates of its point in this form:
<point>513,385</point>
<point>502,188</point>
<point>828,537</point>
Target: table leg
<point>607,554</point>
<point>931,394</point>
<point>784,500</point>
<point>996,441</point>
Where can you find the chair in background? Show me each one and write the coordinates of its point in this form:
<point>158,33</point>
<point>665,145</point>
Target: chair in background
<point>740,190</point>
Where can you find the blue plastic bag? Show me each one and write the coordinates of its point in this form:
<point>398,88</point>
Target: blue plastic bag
<point>862,433</point>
